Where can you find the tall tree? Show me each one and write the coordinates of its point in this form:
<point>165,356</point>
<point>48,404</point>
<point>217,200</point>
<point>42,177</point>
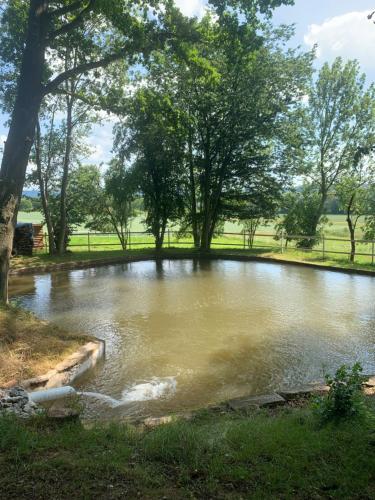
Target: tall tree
<point>153,136</point>
<point>338,119</point>
<point>113,208</point>
<point>31,30</point>
<point>355,192</point>
<point>235,89</point>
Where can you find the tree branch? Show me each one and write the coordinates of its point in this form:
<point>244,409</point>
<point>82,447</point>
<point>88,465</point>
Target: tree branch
<point>73,24</point>
<point>83,68</point>
<point>65,10</point>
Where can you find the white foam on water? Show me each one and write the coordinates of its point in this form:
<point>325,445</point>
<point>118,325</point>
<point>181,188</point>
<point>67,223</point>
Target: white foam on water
<point>154,389</point>
<point>147,391</point>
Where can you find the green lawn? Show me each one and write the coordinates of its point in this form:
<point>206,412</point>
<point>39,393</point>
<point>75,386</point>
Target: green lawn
<point>264,242</point>
<point>230,456</point>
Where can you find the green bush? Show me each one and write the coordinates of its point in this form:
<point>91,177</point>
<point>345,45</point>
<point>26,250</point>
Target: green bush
<point>344,398</point>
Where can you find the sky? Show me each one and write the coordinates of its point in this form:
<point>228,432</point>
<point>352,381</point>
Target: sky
<point>338,27</point>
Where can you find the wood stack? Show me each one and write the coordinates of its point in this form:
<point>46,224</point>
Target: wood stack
<point>28,237</point>
<point>38,236</point>
<point>23,239</point>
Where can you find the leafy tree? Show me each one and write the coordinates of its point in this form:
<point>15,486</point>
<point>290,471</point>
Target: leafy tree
<point>31,33</point>
<point>355,195</point>
<point>338,120</point>
<point>81,201</point>
<point>153,135</point>
<point>369,226</point>
<point>299,222</point>
<point>113,207</point>
<point>232,130</point>
<point>26,204</point>
<point>58,145</point>
<point>259,212</point>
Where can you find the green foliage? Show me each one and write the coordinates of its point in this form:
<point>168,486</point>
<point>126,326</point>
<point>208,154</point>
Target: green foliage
<point>197,123</point>
<point>302,210</point>
<point>344,399</point>
<point>81,198</point>
<point>369,229</point>
<point>113,204</point>
<point>26,205</point>
<point>153,134</point>
<point>337,126</point>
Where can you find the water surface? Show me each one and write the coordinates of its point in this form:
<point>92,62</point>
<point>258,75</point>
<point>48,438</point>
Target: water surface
<point>184,334</point>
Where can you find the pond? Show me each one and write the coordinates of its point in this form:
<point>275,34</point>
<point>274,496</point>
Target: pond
<point>183,334</point>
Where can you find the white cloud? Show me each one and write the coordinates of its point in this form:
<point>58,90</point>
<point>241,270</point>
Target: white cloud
<point>101,142</point>
<point>192,8</point>
<point>351,36</point>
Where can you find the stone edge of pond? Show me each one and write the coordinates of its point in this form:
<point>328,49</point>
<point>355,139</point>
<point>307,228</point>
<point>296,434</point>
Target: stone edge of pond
<point>68,370</point>
<point>62,266</point>
<point>287,397</point>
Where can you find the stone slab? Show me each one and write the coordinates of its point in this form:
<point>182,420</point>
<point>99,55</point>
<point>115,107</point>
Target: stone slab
<point>249,402</point>
<point>70,369</point>
<point>302,392</point>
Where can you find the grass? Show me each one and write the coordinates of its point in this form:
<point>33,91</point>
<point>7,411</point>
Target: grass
<point>279,454</point>
<point>261,455</point>
<point>79,255</point>
<point>30,346</point>
<point>335,234</point>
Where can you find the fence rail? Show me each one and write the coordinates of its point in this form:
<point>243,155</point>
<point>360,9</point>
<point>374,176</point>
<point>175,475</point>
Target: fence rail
<point>94,241</point>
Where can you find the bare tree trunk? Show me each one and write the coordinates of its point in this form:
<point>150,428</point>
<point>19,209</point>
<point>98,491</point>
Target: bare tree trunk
<point>194,215</point>
<point>61,242</point>
<point>44,193</point>
<point>351,227</point>
<point>21,135</point>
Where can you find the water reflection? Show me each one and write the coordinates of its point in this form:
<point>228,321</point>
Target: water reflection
<point>218,329</point>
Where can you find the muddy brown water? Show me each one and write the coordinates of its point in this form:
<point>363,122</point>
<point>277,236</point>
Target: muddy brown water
<point>185,334</point>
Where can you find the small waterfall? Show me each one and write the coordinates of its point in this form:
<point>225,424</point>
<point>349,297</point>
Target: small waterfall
<point>147,391</point>
<point>101,397</point>
<point>155,389</point>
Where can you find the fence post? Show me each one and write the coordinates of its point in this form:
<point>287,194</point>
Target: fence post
<point>88,241</point>
<point>169,238</point>
<point>372,257</point>
<point>130,239</point>
<point>244,239</point>
<point>324,247</point>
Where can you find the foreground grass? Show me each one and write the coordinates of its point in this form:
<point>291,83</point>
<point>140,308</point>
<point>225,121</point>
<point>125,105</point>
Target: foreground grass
<point>263,455</point>
<point>30,347</point>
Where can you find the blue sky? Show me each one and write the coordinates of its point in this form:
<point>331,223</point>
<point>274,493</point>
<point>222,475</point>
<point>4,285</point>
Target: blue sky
<point>339,27</point>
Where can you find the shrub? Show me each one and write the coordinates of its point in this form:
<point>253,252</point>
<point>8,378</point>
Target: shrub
<point>344,398</point>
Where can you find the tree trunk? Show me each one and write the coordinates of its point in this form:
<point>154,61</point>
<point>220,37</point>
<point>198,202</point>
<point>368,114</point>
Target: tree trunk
<point>351,227</point>
<point>62,236</point>
<point>21,135</point>
<point>194,215</point>
<point>44,193</point>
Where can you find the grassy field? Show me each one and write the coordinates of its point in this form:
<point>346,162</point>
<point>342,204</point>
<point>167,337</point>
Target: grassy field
<point>337,226</point>
<point>262,455</point>
<point>334,250</point>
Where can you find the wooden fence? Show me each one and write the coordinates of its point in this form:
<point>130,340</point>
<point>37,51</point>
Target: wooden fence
<point>324,246</point>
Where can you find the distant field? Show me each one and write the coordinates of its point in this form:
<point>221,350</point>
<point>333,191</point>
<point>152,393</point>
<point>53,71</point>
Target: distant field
<point>34,217</point>
<point>337,224</point>
<point>264,241</point>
